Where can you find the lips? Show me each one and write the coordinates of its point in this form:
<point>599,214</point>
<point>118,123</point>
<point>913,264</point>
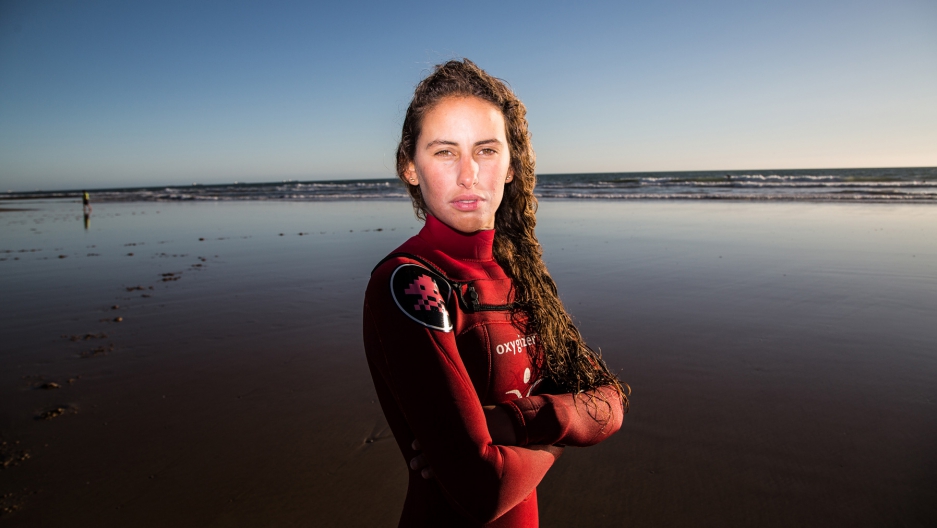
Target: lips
<point>467,202</point>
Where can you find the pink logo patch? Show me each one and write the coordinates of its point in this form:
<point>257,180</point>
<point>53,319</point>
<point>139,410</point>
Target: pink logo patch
<point>429,300</point>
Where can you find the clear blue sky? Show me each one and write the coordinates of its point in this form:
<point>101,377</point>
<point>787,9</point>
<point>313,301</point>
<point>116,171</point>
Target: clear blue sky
<point>106,93</point>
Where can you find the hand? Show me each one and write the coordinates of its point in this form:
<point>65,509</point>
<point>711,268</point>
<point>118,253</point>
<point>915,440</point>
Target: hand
<point>419,463</point>
<point>554,450</point>
<point>500,425</point>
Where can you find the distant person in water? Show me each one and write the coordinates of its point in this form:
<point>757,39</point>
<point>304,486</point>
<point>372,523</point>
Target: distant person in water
<point>479,369</point>
<point>86,208</point>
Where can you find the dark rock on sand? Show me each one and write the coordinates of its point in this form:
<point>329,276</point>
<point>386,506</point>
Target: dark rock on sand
<point>10,456</point>
<point>98,351</point>
<point>99,335</point>
<point>9,503</point>
<point>53,412</point>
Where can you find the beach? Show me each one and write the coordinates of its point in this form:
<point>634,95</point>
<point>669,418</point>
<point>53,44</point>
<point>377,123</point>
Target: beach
<point>201,363</point>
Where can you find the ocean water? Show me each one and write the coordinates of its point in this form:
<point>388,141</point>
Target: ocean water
<point>823,185</point>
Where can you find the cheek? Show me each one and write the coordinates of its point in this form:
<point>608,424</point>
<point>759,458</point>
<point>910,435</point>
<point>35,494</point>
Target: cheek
<point>431,192</point>
<point>497,195</point>
<point>429,173</point>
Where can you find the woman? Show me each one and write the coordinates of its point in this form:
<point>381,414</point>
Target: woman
<point>479,369</point>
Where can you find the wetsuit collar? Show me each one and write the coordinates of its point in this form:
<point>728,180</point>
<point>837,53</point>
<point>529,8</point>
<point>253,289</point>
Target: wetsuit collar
<point>474,246</point>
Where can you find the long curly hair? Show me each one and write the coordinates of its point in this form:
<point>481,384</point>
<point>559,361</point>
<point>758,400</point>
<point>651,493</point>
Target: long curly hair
<point>566,362</point>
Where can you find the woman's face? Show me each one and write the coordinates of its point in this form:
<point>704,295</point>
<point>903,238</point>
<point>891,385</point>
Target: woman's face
<point>462,162</point>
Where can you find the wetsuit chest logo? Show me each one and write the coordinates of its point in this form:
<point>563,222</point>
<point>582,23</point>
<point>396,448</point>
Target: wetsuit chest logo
<point>422,295</point>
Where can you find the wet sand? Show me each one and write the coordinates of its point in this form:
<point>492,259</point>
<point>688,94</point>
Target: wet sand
<point>782,358</point>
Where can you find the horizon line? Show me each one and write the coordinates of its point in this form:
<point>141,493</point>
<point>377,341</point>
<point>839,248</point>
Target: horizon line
<point>10,193</point>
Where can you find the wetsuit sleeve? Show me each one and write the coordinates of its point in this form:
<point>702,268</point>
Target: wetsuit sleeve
<point>570,419</point>
<point>432,390</point>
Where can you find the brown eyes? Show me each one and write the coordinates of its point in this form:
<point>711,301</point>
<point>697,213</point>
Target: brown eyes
<point>483,152</point>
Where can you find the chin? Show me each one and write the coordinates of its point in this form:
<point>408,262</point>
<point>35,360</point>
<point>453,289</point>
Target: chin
<point>467,225</point>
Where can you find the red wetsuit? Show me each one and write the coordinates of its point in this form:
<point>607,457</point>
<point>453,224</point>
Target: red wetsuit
<point>441,344</point>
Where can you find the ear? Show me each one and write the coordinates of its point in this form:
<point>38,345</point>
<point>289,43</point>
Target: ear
<point>410,174</point>
<point>510,175</point>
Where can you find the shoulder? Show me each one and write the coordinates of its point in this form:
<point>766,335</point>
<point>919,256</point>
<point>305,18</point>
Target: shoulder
<point>414,287</point>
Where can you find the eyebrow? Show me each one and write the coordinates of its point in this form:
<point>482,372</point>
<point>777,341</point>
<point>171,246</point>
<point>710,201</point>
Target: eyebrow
<point>436,142</point>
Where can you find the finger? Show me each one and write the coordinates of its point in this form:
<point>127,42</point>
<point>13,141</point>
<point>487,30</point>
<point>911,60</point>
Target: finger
<point>557,451</point>
<point>427,473</point>
<point>415,445</point>
<point>418,463</point>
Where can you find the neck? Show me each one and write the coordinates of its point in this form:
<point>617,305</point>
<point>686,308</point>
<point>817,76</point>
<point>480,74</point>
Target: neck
<point>465,246</point>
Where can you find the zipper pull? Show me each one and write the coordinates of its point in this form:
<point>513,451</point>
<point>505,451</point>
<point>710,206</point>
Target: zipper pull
<point>473,296</point>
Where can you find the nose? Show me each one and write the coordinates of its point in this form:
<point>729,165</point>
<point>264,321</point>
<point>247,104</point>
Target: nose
<point>468,172</point>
